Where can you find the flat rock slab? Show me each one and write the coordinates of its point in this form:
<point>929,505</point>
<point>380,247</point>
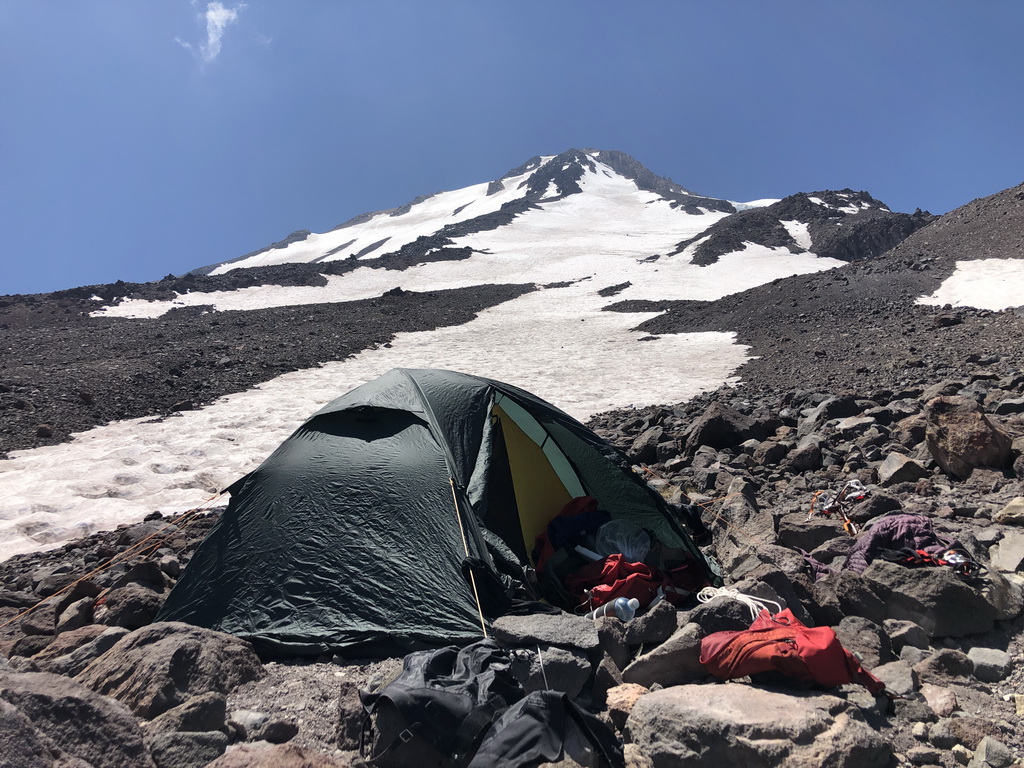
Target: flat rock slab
<point>263,755</point>
<point>547,628</point>
<point>1008,554</point>
<point>1012,513</point>
<point>744,726</point>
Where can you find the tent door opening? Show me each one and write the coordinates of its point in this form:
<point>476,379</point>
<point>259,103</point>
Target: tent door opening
<point>543,479</point>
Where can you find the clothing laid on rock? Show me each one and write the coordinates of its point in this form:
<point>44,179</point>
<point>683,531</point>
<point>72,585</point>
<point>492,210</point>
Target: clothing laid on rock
<point>896,532</point>
<point>464,707</point>
<point>440,704</point>
<point>906,539</point>
<point>782,643</point>
<point>956,558</point>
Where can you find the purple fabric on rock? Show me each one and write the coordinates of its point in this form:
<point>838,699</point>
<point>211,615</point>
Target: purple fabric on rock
<point>896,532</point>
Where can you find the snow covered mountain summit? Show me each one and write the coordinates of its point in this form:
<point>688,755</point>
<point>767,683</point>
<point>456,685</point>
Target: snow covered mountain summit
<point>590,215</point>
<point>573,184</point>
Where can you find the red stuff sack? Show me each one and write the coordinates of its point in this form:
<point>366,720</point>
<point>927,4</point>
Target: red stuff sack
<point>782,643</point>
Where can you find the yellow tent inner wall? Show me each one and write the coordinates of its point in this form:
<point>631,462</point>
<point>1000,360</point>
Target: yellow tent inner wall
<point>540,494</point>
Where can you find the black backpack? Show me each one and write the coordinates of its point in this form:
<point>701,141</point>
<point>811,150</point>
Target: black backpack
<point>463,708</point>
<point>434,714</point>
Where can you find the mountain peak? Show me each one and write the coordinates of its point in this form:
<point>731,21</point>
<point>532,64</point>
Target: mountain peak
<point>554,177</point>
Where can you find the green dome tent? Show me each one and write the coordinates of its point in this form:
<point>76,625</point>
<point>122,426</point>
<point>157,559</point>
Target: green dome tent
<point>382,524</point>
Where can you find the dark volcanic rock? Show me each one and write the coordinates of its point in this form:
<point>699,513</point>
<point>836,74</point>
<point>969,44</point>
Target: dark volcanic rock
<point>961,437</point>
<point>163,665</point>
<point>844,225</point>
<point>76,721</point>
<point>935,598</point>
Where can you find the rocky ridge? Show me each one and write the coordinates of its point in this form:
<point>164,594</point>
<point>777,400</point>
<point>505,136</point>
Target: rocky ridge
<point>843,225</point>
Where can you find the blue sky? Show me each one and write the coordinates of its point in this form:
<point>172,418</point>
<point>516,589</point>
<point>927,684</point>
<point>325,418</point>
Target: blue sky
<point>144,138</point>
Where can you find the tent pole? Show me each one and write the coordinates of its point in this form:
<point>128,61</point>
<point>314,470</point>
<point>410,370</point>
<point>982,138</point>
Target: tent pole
<point>465,546</point>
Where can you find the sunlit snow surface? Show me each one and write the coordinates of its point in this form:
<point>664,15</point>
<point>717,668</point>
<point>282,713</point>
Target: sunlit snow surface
<point>984,283</point>
<point>556,342</point>
<point>583,360</point>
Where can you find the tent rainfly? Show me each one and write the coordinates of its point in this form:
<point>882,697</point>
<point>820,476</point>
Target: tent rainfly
<point>384,523</point>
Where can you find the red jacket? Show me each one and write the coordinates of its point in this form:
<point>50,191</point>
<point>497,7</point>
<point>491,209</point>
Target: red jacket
<point>782,643</point>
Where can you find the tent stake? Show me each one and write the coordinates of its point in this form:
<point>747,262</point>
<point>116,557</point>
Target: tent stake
<point>465,546</point>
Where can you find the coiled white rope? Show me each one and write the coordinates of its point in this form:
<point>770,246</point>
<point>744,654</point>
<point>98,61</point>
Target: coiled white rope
<point>755,604</point>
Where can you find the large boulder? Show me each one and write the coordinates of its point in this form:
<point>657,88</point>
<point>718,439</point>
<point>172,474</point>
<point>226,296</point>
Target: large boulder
<point>899,677</point>
<point>960,437</point>
<point>620,701</point>
<point>68,641</point>
<point>798,531</point>
<point>70,720</point>
<point>897,468</point>
<point>808,453</point>
<point>738,526</point>
<point>768,582</point>
<point>720,614</point>
<point>845,593</point>
<point>1006,596</point>
<point>942,603</point>
<point>163,665</point>
<point>203,713</point>
<point>675,661</point>
<point>21,743</point>
<point>75,660</point>
<point>190,749</point>
<point>745,726</point>
<point>1008,554</point>
<point>131,606</point>
<point>612,635</point>
<point>866,639</point>
<point>644,449</point>
<point>1012,513</point>
<point>831,408</point>
<point>550,667</point>
<point>652,627</point>
<point>721,426</point>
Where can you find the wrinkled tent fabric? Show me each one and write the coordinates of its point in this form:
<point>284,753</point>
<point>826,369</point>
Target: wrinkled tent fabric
<point>352,536</point>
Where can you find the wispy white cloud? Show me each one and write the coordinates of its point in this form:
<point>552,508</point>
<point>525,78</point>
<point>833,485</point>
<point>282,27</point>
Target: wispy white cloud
<point>218,18</point>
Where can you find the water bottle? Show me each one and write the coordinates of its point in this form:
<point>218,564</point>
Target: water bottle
<point>624,609</point>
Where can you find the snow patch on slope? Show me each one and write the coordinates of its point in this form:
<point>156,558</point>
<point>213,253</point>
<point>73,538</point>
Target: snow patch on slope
<point>800,232</point>
<point>993,284</point>
<point>388,232</point>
